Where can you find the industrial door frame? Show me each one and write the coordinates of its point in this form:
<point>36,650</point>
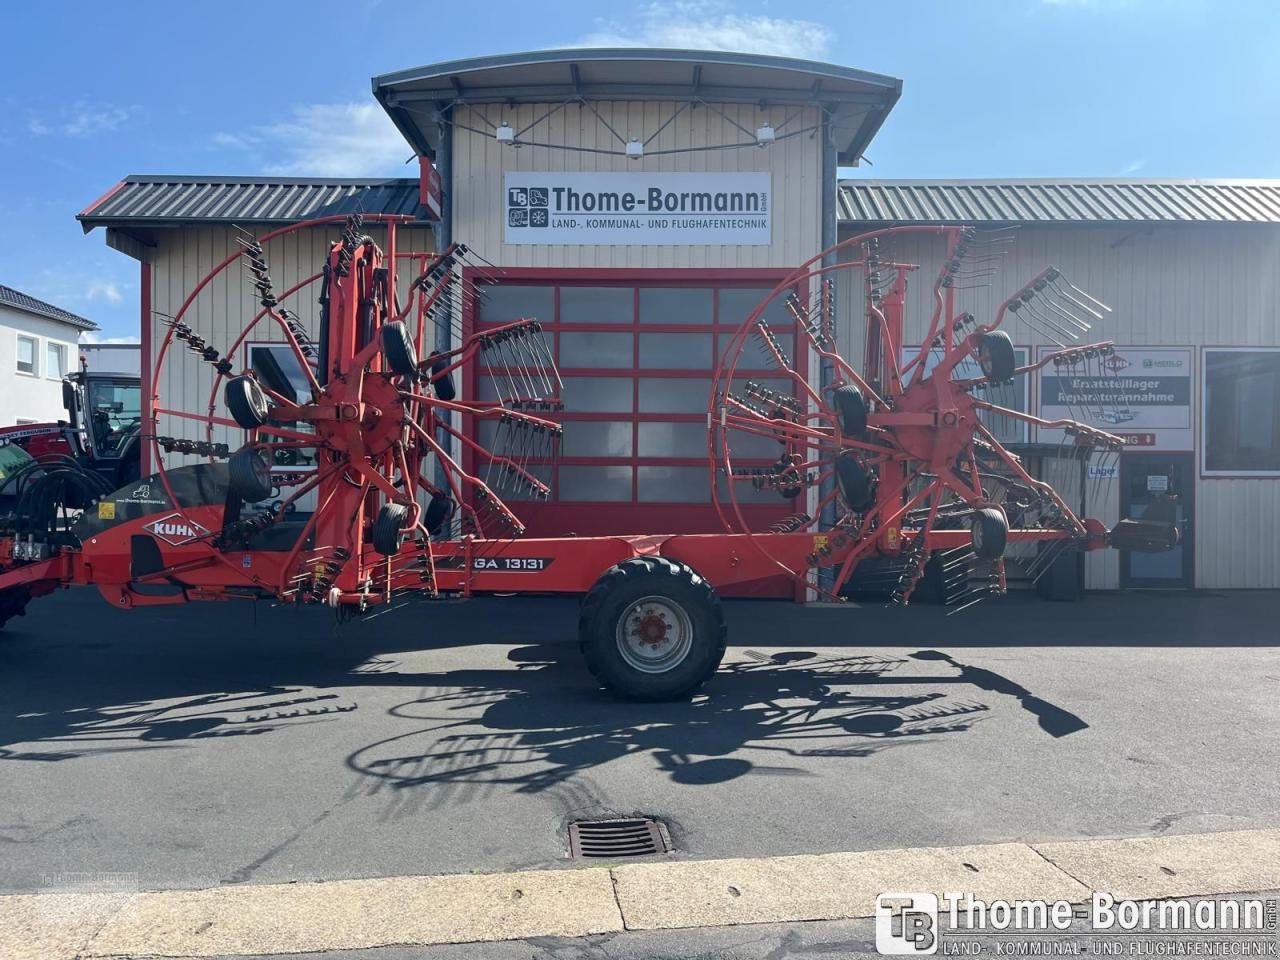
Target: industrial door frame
<point>1128,461</point>
<point>583,517</point>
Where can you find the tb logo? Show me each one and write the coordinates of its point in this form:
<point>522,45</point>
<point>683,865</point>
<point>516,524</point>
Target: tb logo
<point>907,923</point>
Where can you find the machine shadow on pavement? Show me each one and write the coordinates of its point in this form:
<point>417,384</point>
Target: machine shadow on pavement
<point>79,678</point>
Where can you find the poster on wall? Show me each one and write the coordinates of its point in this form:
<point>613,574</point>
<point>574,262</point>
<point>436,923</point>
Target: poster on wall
<point>646,209</point>
<point>1142,394</point>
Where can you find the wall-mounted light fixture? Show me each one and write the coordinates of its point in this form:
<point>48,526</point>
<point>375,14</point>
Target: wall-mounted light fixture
<point>504,133</point>
<point>635,149</point>
<point>765,134</point>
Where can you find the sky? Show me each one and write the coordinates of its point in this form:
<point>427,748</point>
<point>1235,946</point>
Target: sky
<point>94,91</point>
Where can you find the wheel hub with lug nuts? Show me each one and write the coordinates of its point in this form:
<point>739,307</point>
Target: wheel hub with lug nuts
<point>654,635</point>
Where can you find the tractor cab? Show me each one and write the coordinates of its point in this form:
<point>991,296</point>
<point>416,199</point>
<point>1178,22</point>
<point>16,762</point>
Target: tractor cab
<point>104,413</point>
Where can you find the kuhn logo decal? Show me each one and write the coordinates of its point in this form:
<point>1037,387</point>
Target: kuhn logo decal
<point>175,530</point>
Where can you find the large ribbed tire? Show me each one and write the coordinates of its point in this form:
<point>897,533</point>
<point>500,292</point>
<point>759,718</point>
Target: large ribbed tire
<point>246,402</point>
<point>652,629</point>
<point>13,603</point>
<point>996,356</point>
<point>851,409</point>
<point>398,349</point>
<point>990,533</point>
<point>388,532</point>
<point>249,473</point>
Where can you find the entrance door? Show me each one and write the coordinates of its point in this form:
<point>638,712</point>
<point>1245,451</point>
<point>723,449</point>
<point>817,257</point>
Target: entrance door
<point>1163,483</point>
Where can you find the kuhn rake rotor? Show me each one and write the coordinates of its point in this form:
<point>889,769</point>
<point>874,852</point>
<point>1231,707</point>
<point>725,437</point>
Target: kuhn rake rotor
<point>331,463</point>
<point>899,459</point>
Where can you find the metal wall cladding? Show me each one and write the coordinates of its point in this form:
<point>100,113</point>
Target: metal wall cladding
<point>795,163</point>
<point>1195,285</point>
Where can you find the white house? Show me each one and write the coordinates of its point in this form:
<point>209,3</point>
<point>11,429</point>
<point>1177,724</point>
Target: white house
<point>39,345</point>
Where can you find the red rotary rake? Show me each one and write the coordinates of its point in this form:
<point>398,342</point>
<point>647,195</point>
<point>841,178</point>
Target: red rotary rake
<point>320,470</point>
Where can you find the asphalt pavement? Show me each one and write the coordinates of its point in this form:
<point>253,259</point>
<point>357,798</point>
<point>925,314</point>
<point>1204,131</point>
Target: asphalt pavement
<point>213,744</point>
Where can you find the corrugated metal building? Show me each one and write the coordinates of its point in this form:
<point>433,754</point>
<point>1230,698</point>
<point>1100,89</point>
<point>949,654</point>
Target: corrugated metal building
<point>518,150</point>
<point>1189,266</point>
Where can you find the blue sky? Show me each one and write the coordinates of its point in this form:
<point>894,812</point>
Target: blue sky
<point>95,91</point>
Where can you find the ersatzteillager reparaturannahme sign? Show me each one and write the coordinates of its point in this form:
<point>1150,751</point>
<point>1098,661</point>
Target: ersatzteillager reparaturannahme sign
<point>674,209</point>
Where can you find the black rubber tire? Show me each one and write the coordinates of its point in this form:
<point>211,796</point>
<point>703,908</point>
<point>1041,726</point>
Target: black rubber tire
<point>246,401</point>
<point>990,532</point>
<point>13,603</point>
<point>439,512</point>
<point>616,590</point>
<point>445,388</point>
<point>851,411</point>
<point>249,473</point>
<point>855,483</point>
<point>996,356</point>
<point>388,532</point>
<point>398,349</point>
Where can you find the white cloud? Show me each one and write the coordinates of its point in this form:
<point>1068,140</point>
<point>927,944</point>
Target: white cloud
<point>711,25</point>
<point>1132,167</point>
<point>104,290</point>
<point>325,140</point>
<point>82,119</point>
<point>92,337</point>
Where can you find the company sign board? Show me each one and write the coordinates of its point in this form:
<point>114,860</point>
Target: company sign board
<point>1141,393</point>
<point>645,209</point>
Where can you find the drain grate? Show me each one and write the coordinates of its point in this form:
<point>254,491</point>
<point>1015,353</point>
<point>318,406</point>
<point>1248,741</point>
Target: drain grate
<point>634,837</point>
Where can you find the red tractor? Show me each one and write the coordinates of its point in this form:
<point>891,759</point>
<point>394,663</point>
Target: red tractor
<point>102,431</point>
<point>329,473</point>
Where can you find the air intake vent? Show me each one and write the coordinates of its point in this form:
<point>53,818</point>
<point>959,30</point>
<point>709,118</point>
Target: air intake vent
<point>635,837</point>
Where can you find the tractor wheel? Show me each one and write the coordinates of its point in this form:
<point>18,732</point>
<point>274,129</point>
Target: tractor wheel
<point>990,532</point>
<point>388,535</point>
<point>444,387</point>
<point>13,603</point>
<point>996,356</point>
<point>855,483</point>
<point>250,474</point>
<point>439,512</point>
<point>246,401</point>
<point>398,349</point>
<point>652,629</point>
<point>851,409</point>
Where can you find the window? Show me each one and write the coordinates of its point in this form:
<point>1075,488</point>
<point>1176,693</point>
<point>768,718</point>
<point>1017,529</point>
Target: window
<point>27,355</point>
<point>1241,425</point>
<point>277,367</point>
<point>55,360</point>
<point>114,412</point>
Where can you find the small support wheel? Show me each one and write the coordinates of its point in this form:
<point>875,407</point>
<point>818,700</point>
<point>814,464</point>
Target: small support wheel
<point>996,356</point>
<point>444,386</point>
<point>851,410</point>
<point>249,474</point>
<point>990,532</point>
<point>398,349</point>
<point>246,402</point>
<point>652,629</point>
<point>439,512</point>
<point>855,483</point>
<point>388,532</point>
